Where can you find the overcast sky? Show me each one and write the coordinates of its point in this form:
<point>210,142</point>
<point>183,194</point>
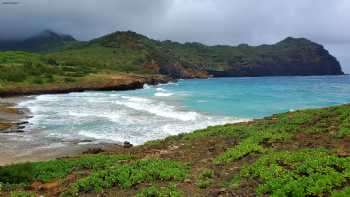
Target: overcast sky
<point>208,21</point>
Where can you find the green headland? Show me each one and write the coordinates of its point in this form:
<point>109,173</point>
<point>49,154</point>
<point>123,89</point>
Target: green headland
<point>51,62</point>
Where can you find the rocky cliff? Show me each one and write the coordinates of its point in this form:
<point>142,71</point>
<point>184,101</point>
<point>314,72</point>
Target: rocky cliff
<point>291,56</point>
<point>132,52</point>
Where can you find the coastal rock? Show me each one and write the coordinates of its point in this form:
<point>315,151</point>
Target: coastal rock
<point>167,60</point>
<point>93,151</point>
<point>127,144</point>
<point>291,56</point>
<point>103,82</point>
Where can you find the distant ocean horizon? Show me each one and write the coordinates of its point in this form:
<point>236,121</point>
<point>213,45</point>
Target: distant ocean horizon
<point>156,112</point>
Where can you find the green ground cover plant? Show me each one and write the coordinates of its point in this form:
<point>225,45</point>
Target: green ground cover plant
<point>308,172</point>
<point>48,170</point>
<point>157,191</point>
<point>128,175</point>
<point>343,193</point>
<point>22,194</point>
<point>205,178</point>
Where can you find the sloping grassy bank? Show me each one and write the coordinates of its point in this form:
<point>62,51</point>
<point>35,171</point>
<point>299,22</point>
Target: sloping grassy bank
<point>23,73</point>
<point>101,81</point>
<point>302,153</point>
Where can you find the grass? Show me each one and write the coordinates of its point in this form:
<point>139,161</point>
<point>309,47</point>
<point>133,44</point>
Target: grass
<point>49,170</point>
<point>22,194</point>
<point>333,119</point>
<point>205,178</point>
<point>126,176</point>
<point>24,69</point>
<point>343,193</point>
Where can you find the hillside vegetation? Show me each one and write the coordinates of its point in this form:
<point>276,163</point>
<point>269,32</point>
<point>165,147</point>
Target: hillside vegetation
<point>54,58</point>
<point>302,153</point>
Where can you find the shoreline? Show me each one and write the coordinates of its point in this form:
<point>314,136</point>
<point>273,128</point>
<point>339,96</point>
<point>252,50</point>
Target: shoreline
<point>99,82</point>
<point>72,148</point>
<point>117,82</point>
<point>287,142</point>
<point>13,119</point>
<point>15,136</point>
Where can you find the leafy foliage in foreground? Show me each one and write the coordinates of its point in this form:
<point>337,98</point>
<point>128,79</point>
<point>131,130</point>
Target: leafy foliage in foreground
<point>343,193</point>
<point>310,172</point>
<point>128,175</point>
<point>48,170</point>
<point>156,191</point>
<point>205,178</point>
<point>22,194</point>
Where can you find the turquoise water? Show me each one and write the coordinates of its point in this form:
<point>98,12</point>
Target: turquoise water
<point>261,96</point>
<point>156,112</point>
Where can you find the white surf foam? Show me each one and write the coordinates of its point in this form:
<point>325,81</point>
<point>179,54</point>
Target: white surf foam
<point>113,117</point>
<point>157,108</point>
<point>163,94</point>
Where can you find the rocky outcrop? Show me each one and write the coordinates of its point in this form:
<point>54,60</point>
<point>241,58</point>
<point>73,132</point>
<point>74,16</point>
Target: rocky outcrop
<point>177,71</point>
<point>292,56</point>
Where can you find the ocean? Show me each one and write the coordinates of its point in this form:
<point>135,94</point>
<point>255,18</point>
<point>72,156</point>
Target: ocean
<point>156,112</point>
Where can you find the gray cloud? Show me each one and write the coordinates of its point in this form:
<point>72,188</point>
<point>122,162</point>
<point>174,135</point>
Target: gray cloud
<point>208,21</point>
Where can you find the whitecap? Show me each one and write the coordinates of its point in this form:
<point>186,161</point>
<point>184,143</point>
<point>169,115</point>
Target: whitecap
<point>113,117</point>
<point>157,108</point>
<point>163,94</point>
<point>161,89</point>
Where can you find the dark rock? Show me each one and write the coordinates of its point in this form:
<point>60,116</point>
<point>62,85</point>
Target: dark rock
<point>21,127</point>
<point>211,149</point>
<point>93,151</point>
<point>22,123</point>
<point>216,192</point>
<point>127,144</point>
